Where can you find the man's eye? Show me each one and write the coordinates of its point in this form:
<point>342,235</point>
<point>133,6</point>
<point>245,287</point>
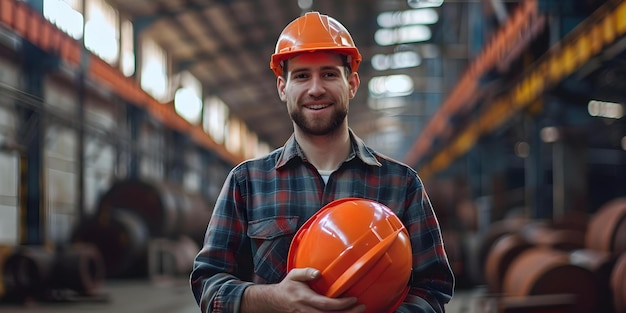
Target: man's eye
<point>300,76</point>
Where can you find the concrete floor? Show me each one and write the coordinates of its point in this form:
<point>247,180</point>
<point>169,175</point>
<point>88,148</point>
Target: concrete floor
<point>133,296</point>
<point>171,296</point>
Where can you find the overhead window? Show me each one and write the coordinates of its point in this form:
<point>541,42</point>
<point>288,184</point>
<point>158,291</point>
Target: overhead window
<point>102,30</point>
<point>187,99</point>
<point>215,118</point>
<point>154,70</point>
<point>66,15</point>
<point>234,133</point>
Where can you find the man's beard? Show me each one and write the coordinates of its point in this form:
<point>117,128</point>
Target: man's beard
<point>319,127</point>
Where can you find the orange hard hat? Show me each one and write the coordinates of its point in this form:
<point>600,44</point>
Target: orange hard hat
<point>362,250</point>
<point>314,32</point>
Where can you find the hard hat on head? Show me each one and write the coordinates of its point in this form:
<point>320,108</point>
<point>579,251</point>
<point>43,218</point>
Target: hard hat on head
<point>314,32</point>
<point>362,250</point>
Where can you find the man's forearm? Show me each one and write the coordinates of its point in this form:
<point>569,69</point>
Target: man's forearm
<point>257,299</point>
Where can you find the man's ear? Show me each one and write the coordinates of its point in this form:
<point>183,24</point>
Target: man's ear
<point>354,81</point>
<point>280,86</point>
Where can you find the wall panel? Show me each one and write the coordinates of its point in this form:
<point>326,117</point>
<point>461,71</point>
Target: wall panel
<point>9,158</point>
<point>9,182</point>
<point>60,176</point>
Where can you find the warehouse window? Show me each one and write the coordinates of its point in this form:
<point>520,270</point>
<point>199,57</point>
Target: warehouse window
<point>187,98</point>
<point>65,14</point>
<point>234,134</point>
<point>127,61</point>
<point>230,131</point>
<point>215,118</point>
<point>240,140</point>
<point>102,30</point>
<point>154,70</point>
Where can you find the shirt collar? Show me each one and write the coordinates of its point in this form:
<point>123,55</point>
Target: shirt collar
<point>291,150</point>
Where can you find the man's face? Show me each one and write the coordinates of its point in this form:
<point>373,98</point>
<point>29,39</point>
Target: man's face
<point>317,92</point>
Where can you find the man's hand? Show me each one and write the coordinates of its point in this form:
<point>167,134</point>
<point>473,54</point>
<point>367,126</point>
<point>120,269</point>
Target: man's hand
<point>293,295</point>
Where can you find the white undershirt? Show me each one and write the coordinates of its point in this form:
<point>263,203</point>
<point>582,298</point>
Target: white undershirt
<point>325,175</point>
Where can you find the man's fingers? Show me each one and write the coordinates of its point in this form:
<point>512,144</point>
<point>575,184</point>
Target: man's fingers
<point>299,295</point>
<point>303,274</point>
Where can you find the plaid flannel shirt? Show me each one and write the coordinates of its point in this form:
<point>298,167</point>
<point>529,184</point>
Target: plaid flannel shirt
<point>264,201</point>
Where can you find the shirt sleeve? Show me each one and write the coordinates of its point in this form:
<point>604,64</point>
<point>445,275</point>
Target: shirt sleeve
<point>432,281</point>
<point>216,278</point>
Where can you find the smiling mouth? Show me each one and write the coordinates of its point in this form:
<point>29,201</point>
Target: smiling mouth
<point>318,106</point>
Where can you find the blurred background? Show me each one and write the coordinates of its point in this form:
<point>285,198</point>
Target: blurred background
<point>119,121</point>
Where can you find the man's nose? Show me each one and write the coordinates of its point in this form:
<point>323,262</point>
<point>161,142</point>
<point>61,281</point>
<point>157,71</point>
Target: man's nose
<point>316,88</point>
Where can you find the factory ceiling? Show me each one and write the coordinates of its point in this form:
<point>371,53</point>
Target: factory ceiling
<point>227,45</point>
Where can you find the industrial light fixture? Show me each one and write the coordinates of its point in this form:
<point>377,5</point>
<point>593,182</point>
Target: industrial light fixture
<point>549,134</point>
<point>408,17</point>
<point>522,149</point>
<point>416,4</point>
<point>402,59</point>
<point>305,4</point>
<point>399,28</point>
<point>605,109</point>
<point>389,105</point>
<point>404,34</point>
<point>390,86</point>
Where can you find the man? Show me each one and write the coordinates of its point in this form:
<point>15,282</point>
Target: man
<point>242,266</point>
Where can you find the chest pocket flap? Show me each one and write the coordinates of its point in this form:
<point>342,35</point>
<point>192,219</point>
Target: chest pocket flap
<point>272,227</point>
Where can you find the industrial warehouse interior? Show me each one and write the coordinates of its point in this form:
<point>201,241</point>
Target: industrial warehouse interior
<point>120,121</point>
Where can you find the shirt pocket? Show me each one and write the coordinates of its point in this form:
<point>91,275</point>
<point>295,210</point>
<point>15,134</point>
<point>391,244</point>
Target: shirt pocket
<point>270,239</point>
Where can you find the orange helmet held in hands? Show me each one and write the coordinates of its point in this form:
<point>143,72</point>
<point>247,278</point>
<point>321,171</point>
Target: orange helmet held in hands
<point>310,33</point>
<point>362,250</point>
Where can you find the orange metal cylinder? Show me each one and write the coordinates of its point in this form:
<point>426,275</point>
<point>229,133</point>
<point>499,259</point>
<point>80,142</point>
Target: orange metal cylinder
<point>79,267</point>
<point>618,284</point>
<point>166,209</point>
<point>545,235</point>
<point>496,231</point>
<point>601,265</point>
<point>500,257</point>
<point>604,225</point>
<point>542,271</point>
<point>27,272</point>
<point>121,238</point>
